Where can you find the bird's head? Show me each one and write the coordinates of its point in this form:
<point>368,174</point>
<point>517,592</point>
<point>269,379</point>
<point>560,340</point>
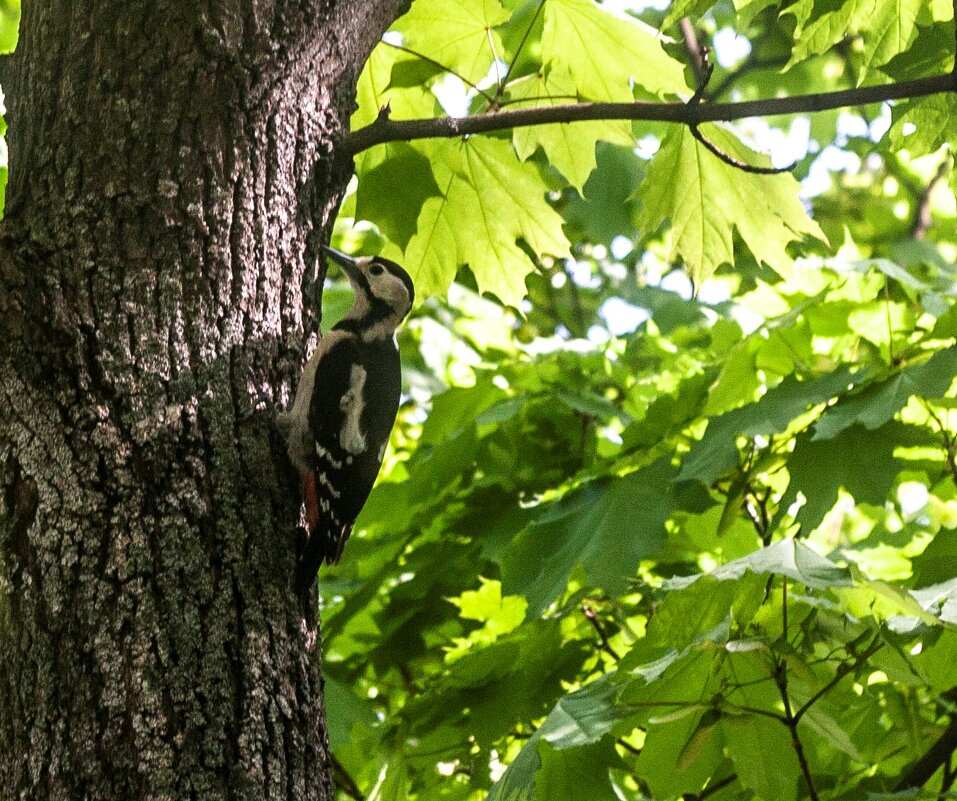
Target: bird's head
<point>384,292</point>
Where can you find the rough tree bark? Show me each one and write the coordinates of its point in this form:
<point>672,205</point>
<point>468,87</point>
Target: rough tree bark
<point>172,170</point>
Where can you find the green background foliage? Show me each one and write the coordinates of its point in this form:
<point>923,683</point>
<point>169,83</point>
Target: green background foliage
<point>9,27</point>
<point>670,507</point>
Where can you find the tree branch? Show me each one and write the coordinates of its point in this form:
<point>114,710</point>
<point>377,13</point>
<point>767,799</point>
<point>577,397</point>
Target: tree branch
<point>922,217</point>
<point>697,54</point>
<point>711,789</point>
<point>950,444</point>
<point>592,618</point>
<point>791,723</point>
<point>387,130</point>
<point>344,780</point>
<point>937,755</point>
<point>438,64</point>
<point>518,50</point>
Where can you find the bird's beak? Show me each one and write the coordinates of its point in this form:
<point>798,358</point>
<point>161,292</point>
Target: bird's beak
<point>347,263</point>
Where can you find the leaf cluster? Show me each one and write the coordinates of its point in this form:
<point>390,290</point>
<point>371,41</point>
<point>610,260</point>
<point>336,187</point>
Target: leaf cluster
<point>689,560</point>
<point>501,206</point>
<point>636,543</point>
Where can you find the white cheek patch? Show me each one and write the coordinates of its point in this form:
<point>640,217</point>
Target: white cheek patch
<point>351,438</point>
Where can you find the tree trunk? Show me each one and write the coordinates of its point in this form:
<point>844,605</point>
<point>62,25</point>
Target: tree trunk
<point>172,170</point>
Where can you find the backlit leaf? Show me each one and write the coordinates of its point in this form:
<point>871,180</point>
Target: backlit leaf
<point>706,200</point>
<point>489,201</point>
<point>569,148</point>
<point>604,52</point>
<point>459,34</point>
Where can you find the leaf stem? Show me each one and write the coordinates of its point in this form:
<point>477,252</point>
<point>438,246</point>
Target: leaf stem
<point>518,50</point>
<point>592,617</point>
<point>628,746</point>
<point>697,54</point>
<point>711,789</point>
<point>842,671</point>
<point>781,679</point>
<point>784,608</point>
<point>491,47</point>
<point>950,445</point>
<point>937,755</point>
<point>488,98</point>
<point>923,215</point>
<point>346,783</point>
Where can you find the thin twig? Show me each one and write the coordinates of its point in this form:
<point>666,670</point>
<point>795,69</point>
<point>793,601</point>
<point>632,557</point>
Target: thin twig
<point>346,783</point>
<point>489,99</point>
<point>697,54</point>
<point>844,670</point>
<point>592,618</point>
<point>518,50</point>
<point>388,130</point>
<point>937,755</point>
<point>711,789</point>
<point>890,322</point>
<point>741,165</point>
<point>751,64</point>
<point>922,217</point>
<point>784,608</point>
<point>707,69</point>
<point>628,746</point>
<point>950,445</point>
<point>790,720</point>
<point>781,679</point>
<point>757,510</point>
<point>719,706</point>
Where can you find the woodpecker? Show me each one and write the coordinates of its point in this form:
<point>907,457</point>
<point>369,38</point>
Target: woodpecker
<point>345,406</point>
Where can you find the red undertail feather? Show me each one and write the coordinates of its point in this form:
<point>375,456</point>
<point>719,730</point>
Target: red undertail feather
<point>311,497</point>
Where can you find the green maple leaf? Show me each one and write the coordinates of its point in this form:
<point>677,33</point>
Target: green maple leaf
<point>580,773</point>
<point>375,90</point>
<point>580,718</point>
<point>887,27</point>
<point>749,9</point>
<point>604,52</point>
<point>932,118</point>
<point>569,148</point>
<point>707,199</point>
<point>489,201</point>
<point>685,8</point>
<point>818,33</point>
<point>889,30</point>
<point>403,172</point>
<point>457,33</point>
<point>858,459</point>
<point>763,756</point>
<point>607,526</point>
<point>876,404</point>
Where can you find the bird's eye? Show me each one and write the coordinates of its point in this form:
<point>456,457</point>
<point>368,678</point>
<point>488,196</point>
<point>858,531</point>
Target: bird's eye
<point>376,269</point>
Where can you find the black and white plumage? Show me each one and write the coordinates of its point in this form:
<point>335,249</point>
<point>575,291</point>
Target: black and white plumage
<point>345,406</point>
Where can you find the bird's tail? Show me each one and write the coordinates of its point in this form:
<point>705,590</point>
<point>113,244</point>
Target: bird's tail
<point>327,536</point>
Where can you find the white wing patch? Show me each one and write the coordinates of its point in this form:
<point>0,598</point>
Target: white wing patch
<point>297,419</point>
<point>351,437</point>
<point>323,454</point>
